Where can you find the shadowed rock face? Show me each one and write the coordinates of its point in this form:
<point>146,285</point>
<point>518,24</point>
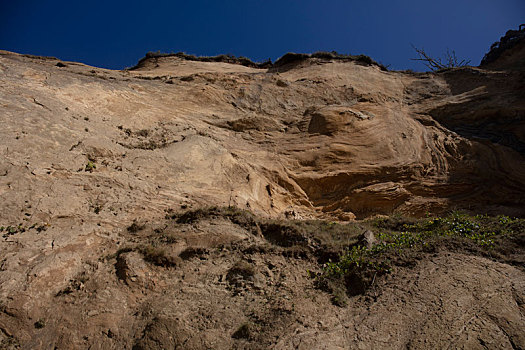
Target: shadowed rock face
<point>86,152</point>
<point>508,53</point>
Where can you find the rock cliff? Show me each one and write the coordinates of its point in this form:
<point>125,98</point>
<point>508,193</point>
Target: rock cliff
<point>92,156</point>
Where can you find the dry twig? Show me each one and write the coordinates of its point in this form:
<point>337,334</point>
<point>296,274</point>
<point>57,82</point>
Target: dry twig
<point>436,64</point>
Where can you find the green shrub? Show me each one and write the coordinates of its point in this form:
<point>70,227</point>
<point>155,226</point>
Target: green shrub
<point>401,237</point>
<point>90,166</point>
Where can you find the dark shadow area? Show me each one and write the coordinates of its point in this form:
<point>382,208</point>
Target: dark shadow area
<point>495,111</point>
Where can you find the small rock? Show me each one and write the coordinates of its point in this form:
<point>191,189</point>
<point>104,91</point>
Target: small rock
<point>131,268</point>
<point>368,239</point>
<point>282,83</point>
<point>347,216</point>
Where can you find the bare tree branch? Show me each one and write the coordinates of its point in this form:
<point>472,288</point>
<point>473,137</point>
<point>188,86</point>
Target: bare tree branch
<point>435,64</point>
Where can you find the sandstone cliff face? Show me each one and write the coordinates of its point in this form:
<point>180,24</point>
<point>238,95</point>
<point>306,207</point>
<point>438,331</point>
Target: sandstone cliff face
<point>314,135</point>
<point>87,151</point>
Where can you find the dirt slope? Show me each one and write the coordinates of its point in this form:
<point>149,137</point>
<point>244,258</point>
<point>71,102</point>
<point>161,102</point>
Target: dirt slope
<point>88,151</point>
<point>212,282</point>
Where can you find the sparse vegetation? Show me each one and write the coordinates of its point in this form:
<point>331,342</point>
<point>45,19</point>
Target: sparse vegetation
<point>506,42</point>
<point>158,256</point>
<point>244,61</point>
<point>135,227</point>
<point>349,267</point>
<point>97,208</point>
<point>40,324</point>
<point>146,139</point>
<point>401,240</point>
<point>333,55</point>
<point>75,284</point>
<point>238,216</point>
<point>450,60</point>
<point>90,166</point>
<point>326,239</point>
<point>20,228</point>
<point>241,268</point>
<point>155,254</point>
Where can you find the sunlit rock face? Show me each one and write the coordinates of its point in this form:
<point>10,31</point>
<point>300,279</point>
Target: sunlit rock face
<point>89,157</point>
<point>321,135</point>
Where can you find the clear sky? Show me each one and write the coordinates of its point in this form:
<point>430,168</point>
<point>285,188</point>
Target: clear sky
<point>116,34</point>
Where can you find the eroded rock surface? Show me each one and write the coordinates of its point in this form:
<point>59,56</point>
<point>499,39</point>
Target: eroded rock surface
<point>87,152</point>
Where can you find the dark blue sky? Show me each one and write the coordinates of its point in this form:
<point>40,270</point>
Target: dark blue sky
<point>116,34</point>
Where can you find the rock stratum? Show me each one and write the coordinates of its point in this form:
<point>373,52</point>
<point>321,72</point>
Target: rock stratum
<point>94,159</point>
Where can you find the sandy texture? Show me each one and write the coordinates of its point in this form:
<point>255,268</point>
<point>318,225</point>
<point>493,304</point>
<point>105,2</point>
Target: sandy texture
<point>85,152</point>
